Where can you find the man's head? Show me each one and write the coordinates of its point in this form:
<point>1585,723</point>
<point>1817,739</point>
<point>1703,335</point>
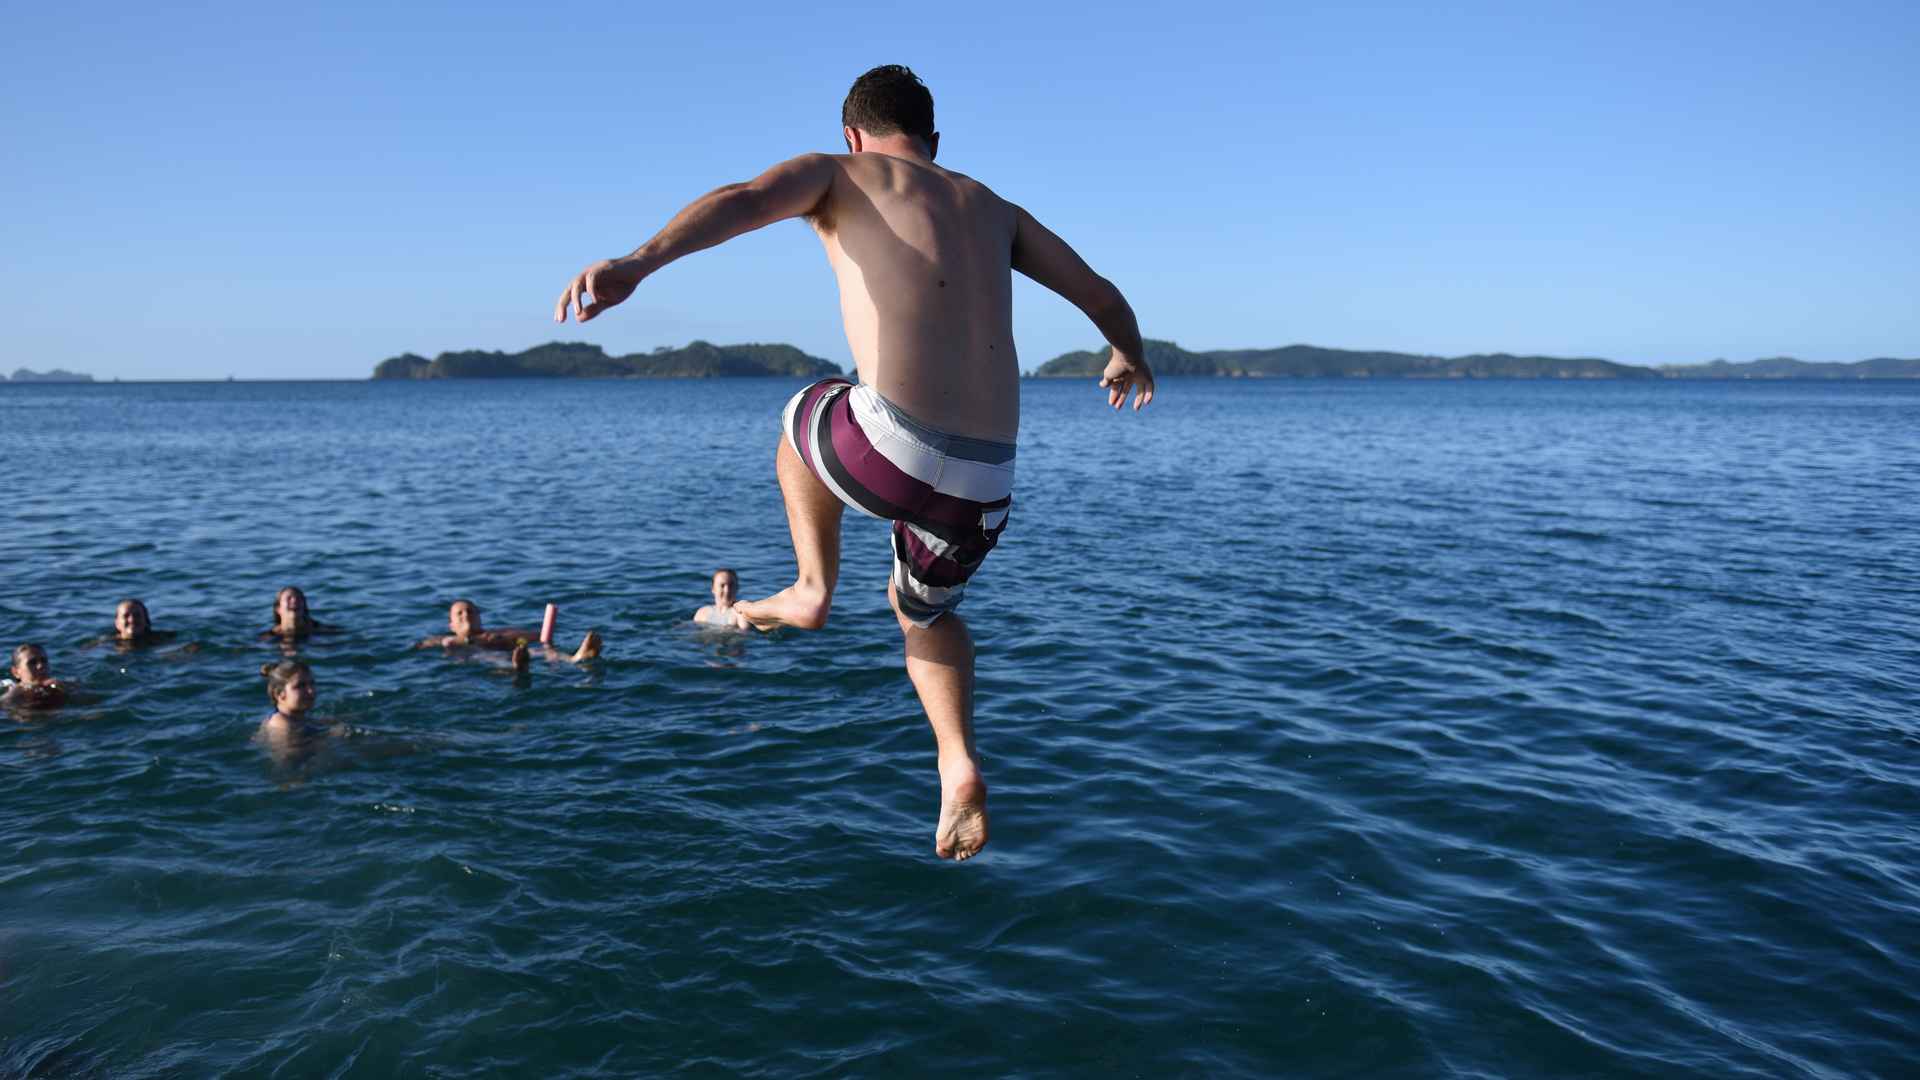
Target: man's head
<point>463,618</point>
<point>726,586</point>
<point>889,101</point>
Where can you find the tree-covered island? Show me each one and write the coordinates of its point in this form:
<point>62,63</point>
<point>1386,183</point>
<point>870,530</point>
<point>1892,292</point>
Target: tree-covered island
<point>25,375</point>
<point>703,360</point>
<point>578,360</point>
<point>1313,362</point>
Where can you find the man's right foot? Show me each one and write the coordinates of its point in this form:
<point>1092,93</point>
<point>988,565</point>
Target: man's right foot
<point>522,657</point>
<point>791,606</point>
<point>962,830</point>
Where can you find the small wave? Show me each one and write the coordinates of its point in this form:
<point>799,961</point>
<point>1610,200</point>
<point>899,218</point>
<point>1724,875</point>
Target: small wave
<point>1582,535</point>
<point>1559,616</point>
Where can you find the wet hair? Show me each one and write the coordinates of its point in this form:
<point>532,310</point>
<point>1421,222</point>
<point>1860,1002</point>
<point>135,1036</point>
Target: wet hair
<point>141,607</point>
<point>889,100</point>
<point>312,623</point>
<point>463,600</point>
<point>730,572</point>
<point>280,674</point>
<point>296,590</point>
<point>20,653</point>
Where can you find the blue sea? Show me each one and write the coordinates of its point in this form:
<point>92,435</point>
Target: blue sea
<point>1334,729</point>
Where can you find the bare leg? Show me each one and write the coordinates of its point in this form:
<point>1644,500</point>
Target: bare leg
<point>940,663</point>
<point>813,517</point>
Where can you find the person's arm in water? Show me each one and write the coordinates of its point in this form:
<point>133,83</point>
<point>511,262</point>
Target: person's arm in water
<point>1047,259</point>
<point>791,189</point>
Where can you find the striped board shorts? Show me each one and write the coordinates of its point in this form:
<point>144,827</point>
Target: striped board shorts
<point>947,495</point>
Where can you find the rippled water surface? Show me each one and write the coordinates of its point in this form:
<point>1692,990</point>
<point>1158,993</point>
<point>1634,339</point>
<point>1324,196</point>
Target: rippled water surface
<point>1333,729</point>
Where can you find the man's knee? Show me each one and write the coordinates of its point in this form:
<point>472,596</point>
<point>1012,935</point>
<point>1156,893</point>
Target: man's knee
<point>908,625</point>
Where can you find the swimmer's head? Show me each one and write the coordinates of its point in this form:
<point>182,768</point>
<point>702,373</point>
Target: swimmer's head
<point>30,664</point>
<point>290,606</point>
<point>726,586</point>
<point>290,685</point>
<point>130,620</point>
<point>463,618</point>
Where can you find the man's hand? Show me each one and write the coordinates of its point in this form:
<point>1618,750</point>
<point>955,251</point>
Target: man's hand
<point>598,288</point>
<point>1126,373</point>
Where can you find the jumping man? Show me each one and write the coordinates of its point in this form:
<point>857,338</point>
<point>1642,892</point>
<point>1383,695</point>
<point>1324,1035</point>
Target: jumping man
<point>926,437</point>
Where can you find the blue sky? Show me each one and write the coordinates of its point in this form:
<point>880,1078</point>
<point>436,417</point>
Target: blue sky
<point>198,190</point>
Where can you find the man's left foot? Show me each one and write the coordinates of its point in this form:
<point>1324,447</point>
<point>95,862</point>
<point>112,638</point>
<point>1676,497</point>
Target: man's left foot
<point>795,606</point>
<point>589,647</point>
<point>962,830</point>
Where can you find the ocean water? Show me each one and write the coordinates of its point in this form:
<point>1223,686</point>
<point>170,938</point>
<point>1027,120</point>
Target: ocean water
<point>1334,728</point>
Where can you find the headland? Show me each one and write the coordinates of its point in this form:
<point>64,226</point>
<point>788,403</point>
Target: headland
<point>1313,362</point>
<point>579,360</point>
<point>56,375</point>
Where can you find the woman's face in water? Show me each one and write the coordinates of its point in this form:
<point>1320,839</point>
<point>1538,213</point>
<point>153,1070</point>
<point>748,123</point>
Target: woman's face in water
<point>291,605</point>
<point>130,620</point>
<point>296,696</point>
<point>30,666</point>
<point>725,588</point>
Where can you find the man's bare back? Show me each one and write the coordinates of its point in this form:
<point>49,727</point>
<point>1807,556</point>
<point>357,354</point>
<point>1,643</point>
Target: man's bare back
<point>924,259</point>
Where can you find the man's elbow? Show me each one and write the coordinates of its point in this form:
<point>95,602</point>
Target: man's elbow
<point>1105,299</point>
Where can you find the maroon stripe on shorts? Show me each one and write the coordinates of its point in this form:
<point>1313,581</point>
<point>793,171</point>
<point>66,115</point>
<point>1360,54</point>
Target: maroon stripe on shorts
<point>866,467</point>
<point>926,566</point>
<point>802,433</point>
<point>868,476</point>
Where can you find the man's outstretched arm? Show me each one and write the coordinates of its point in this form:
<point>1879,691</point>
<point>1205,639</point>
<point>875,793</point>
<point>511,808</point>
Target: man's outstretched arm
<point>790,189</point>
<point>1047,259</point>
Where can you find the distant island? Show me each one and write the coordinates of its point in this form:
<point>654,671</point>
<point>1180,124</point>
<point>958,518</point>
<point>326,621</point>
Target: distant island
<point>704,360</point>
<point>1313,362</point>
<point>1786,367</point>
<point>56,375</point>
<point>577,360</point>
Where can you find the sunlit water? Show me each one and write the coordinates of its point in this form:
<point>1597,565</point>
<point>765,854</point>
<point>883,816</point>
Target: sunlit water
<point>1334,728</point>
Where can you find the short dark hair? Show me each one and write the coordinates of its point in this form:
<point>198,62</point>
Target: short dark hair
<point>889,100</point>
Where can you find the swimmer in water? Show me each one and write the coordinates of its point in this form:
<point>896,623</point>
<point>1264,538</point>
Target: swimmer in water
<point>133,626</point>
<point>33,685</point>
<point>720,613</point>
<point>291,620</point>
<point>288,731</point>
<point>131,623</point>
<point>463,619</point>
<point>133,629</point>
